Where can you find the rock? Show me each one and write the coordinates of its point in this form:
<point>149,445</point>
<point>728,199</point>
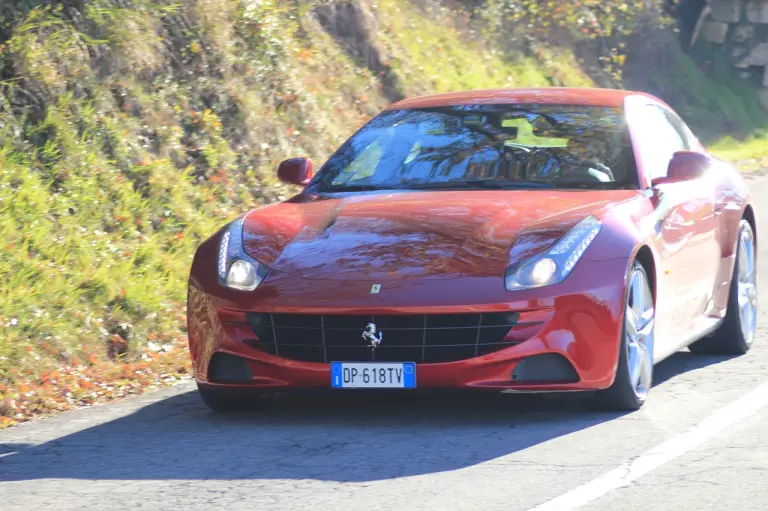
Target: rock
<point>743,33</point>
<point>757,11</point>
<point>728,11</point>
<point>757,57</point>
<point>738,53</point>
<point>763,95</point>
<point>714,31</point>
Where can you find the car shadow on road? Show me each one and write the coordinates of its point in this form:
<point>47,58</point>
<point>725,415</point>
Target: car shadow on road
<point>12,448</point>
<point>351,438</point>
<point>344,438</point>
<point>683,362</point>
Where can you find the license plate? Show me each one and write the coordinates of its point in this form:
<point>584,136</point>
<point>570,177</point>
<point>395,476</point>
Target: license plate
<point>372,375</point>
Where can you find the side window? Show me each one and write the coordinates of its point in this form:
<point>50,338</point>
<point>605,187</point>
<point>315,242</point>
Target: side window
<point>659,140</point>
<point>691,142</point>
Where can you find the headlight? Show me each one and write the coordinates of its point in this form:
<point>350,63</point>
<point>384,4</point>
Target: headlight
<point>236,269</point>
<point>555,264</point>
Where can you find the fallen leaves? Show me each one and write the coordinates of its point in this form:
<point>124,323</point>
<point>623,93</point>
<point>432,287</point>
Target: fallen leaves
<point>98,381</point>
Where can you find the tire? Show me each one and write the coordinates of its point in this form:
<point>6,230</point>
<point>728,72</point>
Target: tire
<point>221,401</point>
<point>634,371</point>
<point>735,335</point>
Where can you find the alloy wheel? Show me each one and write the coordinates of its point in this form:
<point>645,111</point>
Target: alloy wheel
<point>747,284</point>
<point>639,327</point>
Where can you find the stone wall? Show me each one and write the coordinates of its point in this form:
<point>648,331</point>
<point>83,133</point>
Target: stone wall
<point>742,27</point>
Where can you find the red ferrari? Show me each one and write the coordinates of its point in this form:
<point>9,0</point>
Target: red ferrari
<point>529,240</point>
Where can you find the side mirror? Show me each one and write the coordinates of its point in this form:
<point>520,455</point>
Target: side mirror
<point>296,171</point>
<point>684,166</point>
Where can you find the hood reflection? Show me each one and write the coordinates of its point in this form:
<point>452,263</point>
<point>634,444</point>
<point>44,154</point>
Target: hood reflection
<point>393,236</point>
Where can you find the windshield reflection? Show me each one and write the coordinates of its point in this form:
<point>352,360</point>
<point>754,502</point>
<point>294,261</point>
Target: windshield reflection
<point>485,147</point>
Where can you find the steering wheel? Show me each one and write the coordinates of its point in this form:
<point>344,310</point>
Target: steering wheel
<point>588,171</point>
<point>535,163</point>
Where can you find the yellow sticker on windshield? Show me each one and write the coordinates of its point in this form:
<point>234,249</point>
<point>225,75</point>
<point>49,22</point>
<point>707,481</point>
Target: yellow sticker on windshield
<point>525,136</point>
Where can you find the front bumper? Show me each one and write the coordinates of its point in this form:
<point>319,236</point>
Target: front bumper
<point>566,339</point>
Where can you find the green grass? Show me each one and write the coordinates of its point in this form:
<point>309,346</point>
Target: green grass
<point>112,174</point>
<point>433,56</point>
<point>749,154</point>
<point>724,110</point>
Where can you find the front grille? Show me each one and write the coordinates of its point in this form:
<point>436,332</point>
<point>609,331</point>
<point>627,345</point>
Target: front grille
<point>424,339</point>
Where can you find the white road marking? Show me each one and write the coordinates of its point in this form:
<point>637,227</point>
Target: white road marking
<point>730,415</point>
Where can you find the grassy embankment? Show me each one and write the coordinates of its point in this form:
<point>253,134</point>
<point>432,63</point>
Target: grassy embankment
<point>749,155</point>
<point>128,135</point>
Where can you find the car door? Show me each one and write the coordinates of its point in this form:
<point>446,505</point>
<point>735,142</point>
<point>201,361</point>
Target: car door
<point>684,222</point>
<point>706,206</point>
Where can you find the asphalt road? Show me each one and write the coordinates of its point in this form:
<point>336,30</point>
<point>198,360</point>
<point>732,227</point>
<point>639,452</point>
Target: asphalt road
<point>699,443</point>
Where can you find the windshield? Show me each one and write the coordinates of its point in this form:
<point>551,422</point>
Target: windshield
<point>485,146</point>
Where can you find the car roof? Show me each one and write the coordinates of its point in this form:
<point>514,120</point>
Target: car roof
<point>612,98</point>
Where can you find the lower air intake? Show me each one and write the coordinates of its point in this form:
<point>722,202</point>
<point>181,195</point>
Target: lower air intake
<point>546,368</point>
<point>226,368</point>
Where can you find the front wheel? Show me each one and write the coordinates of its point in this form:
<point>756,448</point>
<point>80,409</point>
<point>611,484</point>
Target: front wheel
<point>634,372</point>
<point>737,331</point>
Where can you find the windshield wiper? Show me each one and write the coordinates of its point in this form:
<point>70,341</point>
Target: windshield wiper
<point>590,185</point>
<point>353,188</point>
<point>479,184</point>
<point>482,184</point>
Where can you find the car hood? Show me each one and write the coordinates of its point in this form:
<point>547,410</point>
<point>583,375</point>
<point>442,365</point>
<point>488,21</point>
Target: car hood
<point>406,235</point>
